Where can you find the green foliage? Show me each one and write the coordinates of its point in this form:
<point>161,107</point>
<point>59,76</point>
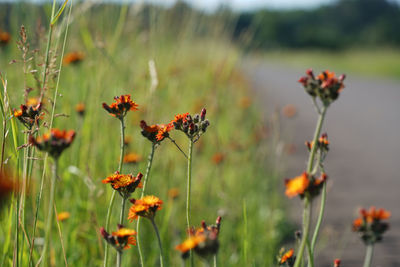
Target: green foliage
<point>196,68</point>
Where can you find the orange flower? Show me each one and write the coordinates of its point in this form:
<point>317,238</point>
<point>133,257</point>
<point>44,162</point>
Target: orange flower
<point>144,207</point>
<point>121,239</point>
<point>54,142</point>
<point>5,38</point>
<point>8,185</point>
<point>80,108</point>
<point>287,256</point>
<point>289,111</point>
<point>370,224</point>
<point>357,223</point>
<point>190,243</point>
<point>245,102</point>
<point>297,185</point>
<point>125,184</point>
<point>73,58</point>
<point>336,263</point>
<point>218,158</point>
<point>173,193</point>
<point>121,106</point>
<point>132,158</point>
<point>62,216</point>
<point>374,214</point>
<point>30,113</point>
<point>163,131</point>
<point>180,118</point>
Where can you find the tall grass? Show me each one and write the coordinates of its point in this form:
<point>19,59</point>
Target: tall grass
<point>196,66</point>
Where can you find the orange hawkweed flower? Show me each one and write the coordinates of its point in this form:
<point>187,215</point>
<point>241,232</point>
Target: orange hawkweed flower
<point>163,131</point>
<point>121,239</point>
<point>287,257</point>
<point>125,184</point>
<point>80,109</point>
<point>289,111</point>
<point>121,106</point>
<point>73,58</point>
<point>173,193</point>
<point>54,142</point>
<point>336,263</point>
<point>297,185</point>
<point>132,158</point>
<point>180,118</point>
<point>144,207</point>
<point>204,241</point>
<point>62,216</point>
<point>194,126</point>
<point>218,158</point>
<point>30,113</point>
<point>5,38</point>
<point>370,224</point>
<point>8,185</point>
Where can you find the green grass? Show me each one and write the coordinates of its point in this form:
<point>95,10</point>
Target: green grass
<point>383,62</point>
<point>195,70</point>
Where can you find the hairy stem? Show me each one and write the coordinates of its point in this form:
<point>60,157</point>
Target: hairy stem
<point>189,188</point>
<point>121,218</point>
<point>319,220</point>
<point>368,255</point>
<point>159,241</point>
<point>110,206</point>
<point>146,176</point>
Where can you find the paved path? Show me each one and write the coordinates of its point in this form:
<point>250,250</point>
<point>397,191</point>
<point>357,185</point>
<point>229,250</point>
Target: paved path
<point>363,164</point>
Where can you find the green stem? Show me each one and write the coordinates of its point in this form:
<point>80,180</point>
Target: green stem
<point>215,260</point>
<point>146,176</point>
<point>307,199</point>
<point>49,221</point>
<point>368,255</point>
<point>121,218</point>
<point>189,188</point>
<point>319,220</point>
<point>110,206</point>
<point>159,241</point>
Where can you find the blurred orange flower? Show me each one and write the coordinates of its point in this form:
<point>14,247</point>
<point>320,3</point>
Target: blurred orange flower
<point>297,185</point>
<point>73,57</point>
<point>80,108</point>
<point>218,158</point>
<point>289,111</point>
<point>54,142</point>
<point>5,38</point>
<point>132,158</point>
<point>62,216</point>
<point>288,256</point>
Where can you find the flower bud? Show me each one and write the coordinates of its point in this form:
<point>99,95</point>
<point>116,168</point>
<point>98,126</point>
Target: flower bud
<point>203,114</point>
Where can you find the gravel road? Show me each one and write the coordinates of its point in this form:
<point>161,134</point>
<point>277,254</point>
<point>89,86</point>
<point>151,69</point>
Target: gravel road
<point>363,163</point>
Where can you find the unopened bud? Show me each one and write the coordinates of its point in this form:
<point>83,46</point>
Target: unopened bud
<point>203,114</point>
<point>336,263</point>
<point>342,77</point>
<point>196,118</point>
<point>310,73</point>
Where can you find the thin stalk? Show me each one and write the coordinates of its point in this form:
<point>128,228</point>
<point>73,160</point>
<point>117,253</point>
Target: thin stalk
<point>307,200</point>
<point>110,206</point>
<point>121,218</point>
<point>173,141</point>
<point>49,221</point>
<point>215,260</point>
<point>319,220</point>
<point>368,255</point>
<point>159,241</point>
<point>189,188</point>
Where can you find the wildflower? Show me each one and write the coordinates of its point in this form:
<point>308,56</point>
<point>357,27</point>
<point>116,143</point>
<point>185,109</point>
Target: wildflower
<point>54,142</point>
<point>194,126</point>
<point>125,184</point>
<point>304,184</point>
<point>80,109</point>
<point>336,263</point>
<point>73,58</point>
<point>326,85</point>
<point>132,158</point>
<point>127,140</point>
<point>204,241</point>
<point>121,106</point>
<point>322,145</point>
<point>218,158</point>
<point>62,216</point>
<point>121,239</point>
<point>5,38</point>
<point>144,207</point>
<point>287,258</point>
<point>157,132</point>
<point>245,102</point>
<point>370,226</point>
<point>173,193</point>
<point>30,113</point>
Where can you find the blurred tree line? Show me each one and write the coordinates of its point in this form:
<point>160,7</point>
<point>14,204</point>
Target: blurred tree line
<point>342,24</point>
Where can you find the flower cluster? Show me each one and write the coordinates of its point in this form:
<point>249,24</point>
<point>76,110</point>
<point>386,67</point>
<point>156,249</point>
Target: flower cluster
<point>157,132</point>
<point>304,184</point>
<point>204,240</point>
<point>326,85</point>
<point>121,106</point>
<point>5,38</point>
<point>144,207</point>
<point>54,142</point>
<point>121,239</point>
<point>73,58</point>
<point>370,224</point>
<point>30,113</point>
<point>194,126</point>
<point>287,258</point>
<point>322,143</point>
<point>125,184</point>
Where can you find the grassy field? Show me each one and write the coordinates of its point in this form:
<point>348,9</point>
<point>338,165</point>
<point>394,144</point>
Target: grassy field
<point>383,62</point>
<point>196,67</point>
